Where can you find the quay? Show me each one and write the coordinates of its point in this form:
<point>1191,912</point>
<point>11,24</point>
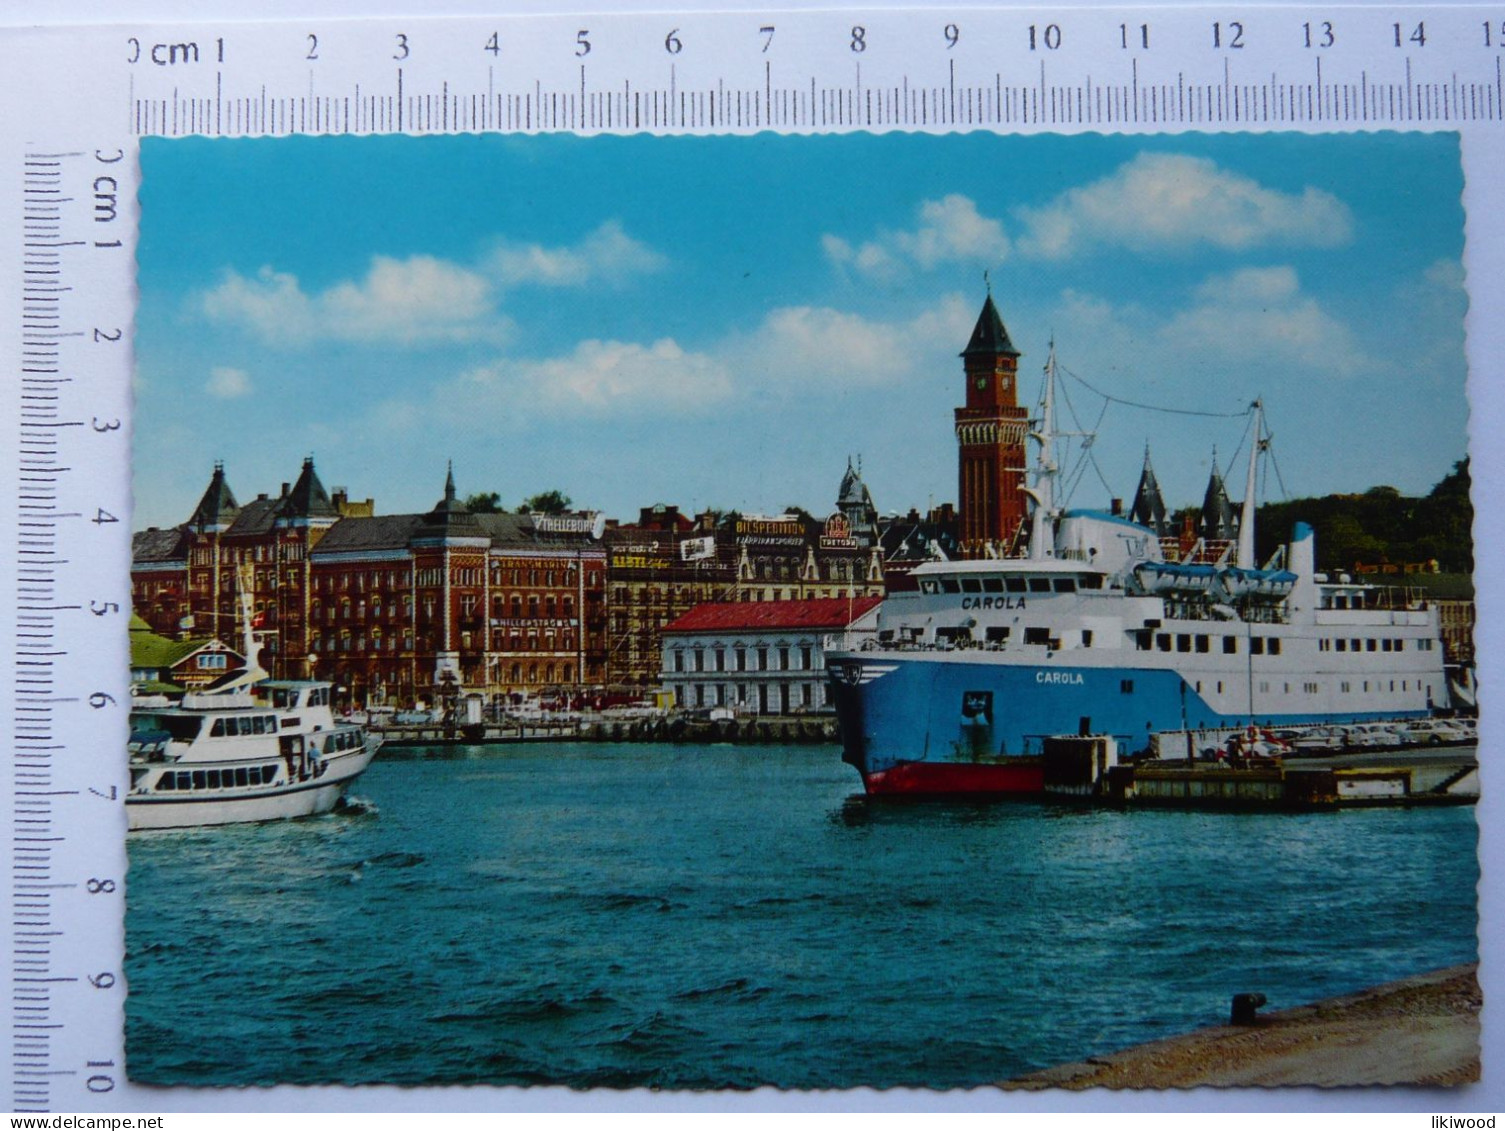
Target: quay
<point>672,728</point>
<point>1420,1031</point>
<point>1086,768</point>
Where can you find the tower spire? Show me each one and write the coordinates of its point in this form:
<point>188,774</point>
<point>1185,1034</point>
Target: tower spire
<point>990,435</point>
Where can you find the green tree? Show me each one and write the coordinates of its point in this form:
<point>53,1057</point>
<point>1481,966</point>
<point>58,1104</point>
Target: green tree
<point>484,502</point>
<point>546,502</point>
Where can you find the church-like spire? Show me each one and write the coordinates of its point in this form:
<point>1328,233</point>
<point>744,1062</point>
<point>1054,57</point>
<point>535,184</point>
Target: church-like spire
<point>1149,505</point>
<point>308,499</point>
<point>218,508</point>
<point>450,517</point>
<point>989,336</point>
<point>1218,521</point>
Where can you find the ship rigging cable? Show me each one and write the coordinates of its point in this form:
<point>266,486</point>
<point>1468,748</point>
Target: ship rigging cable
<point>1148,407</point>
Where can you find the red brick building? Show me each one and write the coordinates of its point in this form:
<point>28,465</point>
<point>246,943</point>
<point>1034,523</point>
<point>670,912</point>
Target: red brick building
<point>991,429</point>
<point>383,606</point>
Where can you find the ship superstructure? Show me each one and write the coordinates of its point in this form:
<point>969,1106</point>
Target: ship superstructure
<point>1095,632</point>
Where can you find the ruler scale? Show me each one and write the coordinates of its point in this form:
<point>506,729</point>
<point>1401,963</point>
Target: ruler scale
<point>1070,70</point>
<point>63,705</point>
<point>95,90</point>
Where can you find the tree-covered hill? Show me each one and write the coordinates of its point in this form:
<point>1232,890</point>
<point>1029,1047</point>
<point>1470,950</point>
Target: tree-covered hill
<point>1380,526</point>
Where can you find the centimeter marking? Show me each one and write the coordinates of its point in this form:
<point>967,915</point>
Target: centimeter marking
<point>994,103</point>
<point>1015,69</point>
<point>34,923</point>
<point>65,898</point>
<point>1408,66</point>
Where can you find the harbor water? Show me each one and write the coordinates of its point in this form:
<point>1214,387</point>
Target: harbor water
<point>727,917</point>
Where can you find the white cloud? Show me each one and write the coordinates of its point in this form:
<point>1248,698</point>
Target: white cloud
<point>409,300</point>
<point>400,301</point>
<point>272,305</point>
<point>1163,201</point>
<point>607,254</point>
<point>1261,314</point>
<point>228,384</point>
<point>949,230</point>
<point>605,376</point>
<point>820,346</point>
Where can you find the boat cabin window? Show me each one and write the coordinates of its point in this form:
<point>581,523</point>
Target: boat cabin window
<point>1039,585</point>
<point>1257,645</point>
<point>992,585</point>
<point>1015,584</point>
<point>1090,581</point>
<point>229,726</point>
<point>1037,636</point>
<point>971,585</point>
<point>949,585</point>
<point>284,697</point>
<point>1064,584</point>
<point>1230,645</point>
<point>183,728</point>
<point>997,634</point>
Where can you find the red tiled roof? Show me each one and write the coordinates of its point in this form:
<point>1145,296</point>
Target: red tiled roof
<point>822,612</point>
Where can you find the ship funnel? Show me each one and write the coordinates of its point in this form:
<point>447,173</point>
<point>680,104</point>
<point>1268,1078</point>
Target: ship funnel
<point>1302,561</point>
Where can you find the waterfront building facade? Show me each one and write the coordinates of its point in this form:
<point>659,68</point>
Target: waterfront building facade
<point>385,606</point>
<point>666,564</point>
<point>760,657</point>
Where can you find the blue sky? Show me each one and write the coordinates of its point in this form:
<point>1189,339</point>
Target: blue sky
<point>721,321</point>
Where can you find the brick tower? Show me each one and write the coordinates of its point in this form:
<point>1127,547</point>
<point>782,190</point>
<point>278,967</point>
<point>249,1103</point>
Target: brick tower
<point>990,435</point>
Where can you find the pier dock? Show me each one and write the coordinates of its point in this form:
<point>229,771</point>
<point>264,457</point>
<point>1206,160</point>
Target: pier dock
<point>1419,1031</point>
<point>1088,768</point>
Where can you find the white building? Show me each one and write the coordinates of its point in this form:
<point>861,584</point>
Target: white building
<point>760,657</point>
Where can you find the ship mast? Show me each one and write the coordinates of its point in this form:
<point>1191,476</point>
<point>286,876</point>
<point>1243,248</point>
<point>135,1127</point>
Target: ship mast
<point>1041,537</point>
<point>1246,517</point>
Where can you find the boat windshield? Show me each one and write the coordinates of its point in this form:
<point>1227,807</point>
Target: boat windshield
<point>183,728</point>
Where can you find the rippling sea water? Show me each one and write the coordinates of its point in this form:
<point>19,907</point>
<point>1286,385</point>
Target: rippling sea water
<point>622,916</point>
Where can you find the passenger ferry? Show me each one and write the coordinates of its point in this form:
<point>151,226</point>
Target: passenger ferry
<point>225,757</point>
<point>1095,633</point>
<point>254,750</point>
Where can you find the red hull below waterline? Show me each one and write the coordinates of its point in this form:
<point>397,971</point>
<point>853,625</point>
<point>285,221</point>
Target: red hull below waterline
<point>1016,777</point>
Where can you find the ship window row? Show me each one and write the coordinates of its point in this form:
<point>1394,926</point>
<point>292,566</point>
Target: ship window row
<point>228,727</point>
<point>341,740</point>
<point>1146,640</point>
<point>1368,644</point>
<point>1010,584</point>
<point>1345,687</point>
<point>183,781</point>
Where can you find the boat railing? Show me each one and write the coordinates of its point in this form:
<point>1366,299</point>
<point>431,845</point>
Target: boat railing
<point>217,700</point>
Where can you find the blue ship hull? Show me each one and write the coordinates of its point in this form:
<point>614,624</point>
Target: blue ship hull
<point>926,725</point>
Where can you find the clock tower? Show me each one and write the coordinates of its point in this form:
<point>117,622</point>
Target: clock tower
<point>990,434</point>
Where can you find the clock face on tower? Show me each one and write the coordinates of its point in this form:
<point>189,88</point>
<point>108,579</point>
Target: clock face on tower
<point>982,382</point>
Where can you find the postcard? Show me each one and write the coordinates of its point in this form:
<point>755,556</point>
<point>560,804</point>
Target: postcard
<point>853,611</point>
